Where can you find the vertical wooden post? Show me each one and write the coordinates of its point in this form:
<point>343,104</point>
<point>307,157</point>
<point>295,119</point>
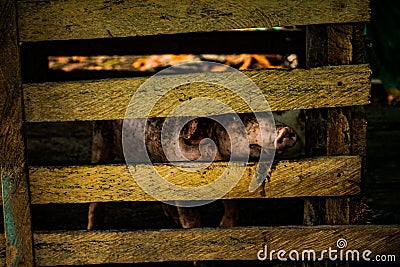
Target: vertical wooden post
<point>335,45</point>
<point>13,171</point>
<point>316,56</point>
<point>340,52</point>
<point>358,206</point>
<point>315,135</point>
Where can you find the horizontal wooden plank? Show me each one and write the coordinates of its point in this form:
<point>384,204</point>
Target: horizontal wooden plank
<point>74,19</point>
<point>283,89</point>
<point>76,248</point>
<point>325,176</point>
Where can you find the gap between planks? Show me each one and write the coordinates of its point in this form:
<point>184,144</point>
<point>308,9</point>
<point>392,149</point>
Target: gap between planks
<point>283,89</point>
<point>325,176</point>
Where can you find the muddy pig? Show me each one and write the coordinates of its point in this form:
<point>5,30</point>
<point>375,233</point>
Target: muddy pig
<point>234,137</point>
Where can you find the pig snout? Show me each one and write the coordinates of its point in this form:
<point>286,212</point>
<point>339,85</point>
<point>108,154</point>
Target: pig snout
<point>285,138</point>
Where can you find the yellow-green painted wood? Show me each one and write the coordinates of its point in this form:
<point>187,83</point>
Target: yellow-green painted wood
<point>240,243</point>
<point>74,19</point>
<point>325,176</point>
<point>283,89</point>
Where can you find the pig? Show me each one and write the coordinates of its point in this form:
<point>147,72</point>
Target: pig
<point>189,145</point>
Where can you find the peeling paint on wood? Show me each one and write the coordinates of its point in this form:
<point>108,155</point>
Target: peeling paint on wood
<point>8,189</point>
<point>13,174</point>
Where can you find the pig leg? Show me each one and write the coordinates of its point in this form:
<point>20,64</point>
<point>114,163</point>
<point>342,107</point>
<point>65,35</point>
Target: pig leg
<point>190,138</point>
<point>185,217</point>
<point>102,152</point>
<point>171,212</point>
<point>95,216</point>
<point>231,213</point>
<point>189,217</point>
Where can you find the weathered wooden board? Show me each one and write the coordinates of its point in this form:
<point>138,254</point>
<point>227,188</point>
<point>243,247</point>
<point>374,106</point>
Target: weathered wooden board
<point>13,172</point>
<point>73,19</point>
<point>2,250</point>
<point>76,248</point>
<point>358,131</point>
<point>326,176</point>
<point>338,132</point>
<point>342,135</point>
<point>283,89</point>
<point>337,44</point>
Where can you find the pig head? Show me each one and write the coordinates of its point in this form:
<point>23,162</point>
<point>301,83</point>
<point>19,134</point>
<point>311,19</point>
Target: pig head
<point>203,139</point>
<point>218,138</point>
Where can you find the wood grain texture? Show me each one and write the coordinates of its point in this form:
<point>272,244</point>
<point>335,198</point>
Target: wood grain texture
<point>283,89</point>
<point>340,47</point>
<point>315,132</point>
<point>357,205</point>
<point>359,44</point>
<point>2,250</point>
<point>358,131</point>
<point>316,122</point>
<point>337,211</point>
<point>335,176</point>
<point>316,46</point>
<point>340,130</point>
<point>73,19</point>
<point>314,211</point>
<point>13,172</point>
<point>242,243</point>
<point>319,45</point>
<point>337,45</point>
